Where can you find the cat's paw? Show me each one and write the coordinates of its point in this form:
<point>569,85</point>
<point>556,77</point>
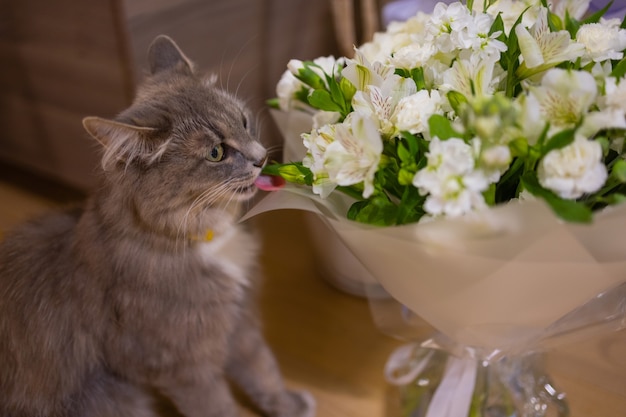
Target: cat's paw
<point>301,404</point>
<point>309,405</point>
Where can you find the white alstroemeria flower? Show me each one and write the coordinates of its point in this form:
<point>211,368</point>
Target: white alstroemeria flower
<point>286,90</point>
<point>289,85</point>
<point>324,65</point>
<point>361,73</point>
<point>323,118</point>
<point>574,8</point>
<point>531,120</point>
<point>384,45</point>
<point>317,143</point>
<point>472,75</point>
<point>413,112</point>
<point>434,71</point>
<point>615,97</point>
<point>542,49</point>
<point>511,10</point>
<point>354,155</point>
<point>602,42</point>
<point>379,103</point>
<point>565,96</point>
<point>453,185</point>
<point>609,118</point>
<point>574,170</point>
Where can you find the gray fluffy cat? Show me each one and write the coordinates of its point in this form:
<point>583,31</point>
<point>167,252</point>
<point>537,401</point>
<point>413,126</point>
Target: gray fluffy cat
<point>144,294</point>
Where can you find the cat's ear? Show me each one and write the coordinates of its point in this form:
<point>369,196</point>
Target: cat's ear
<point>164,55</point>
<point>124,142</point>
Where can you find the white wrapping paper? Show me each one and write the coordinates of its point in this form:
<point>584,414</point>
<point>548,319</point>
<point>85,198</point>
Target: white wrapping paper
<point>496,279</point>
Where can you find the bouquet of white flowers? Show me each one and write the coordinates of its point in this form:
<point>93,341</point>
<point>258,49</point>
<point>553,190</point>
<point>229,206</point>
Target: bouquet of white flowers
<point>468,107</point>
<point>489,139</point>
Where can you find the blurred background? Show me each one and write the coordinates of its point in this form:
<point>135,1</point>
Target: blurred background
<point>66,59</point>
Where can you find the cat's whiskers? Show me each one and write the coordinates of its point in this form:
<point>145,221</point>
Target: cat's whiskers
<point>208,199</point>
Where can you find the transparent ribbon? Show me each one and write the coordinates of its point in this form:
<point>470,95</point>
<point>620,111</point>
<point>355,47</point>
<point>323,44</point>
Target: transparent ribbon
<point>453,395</point>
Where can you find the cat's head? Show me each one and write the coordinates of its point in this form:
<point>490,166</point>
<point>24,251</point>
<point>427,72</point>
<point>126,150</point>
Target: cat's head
<point>183,140</point>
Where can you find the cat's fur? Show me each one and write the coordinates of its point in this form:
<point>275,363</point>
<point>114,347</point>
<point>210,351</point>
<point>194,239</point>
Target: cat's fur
<point>106,307</point>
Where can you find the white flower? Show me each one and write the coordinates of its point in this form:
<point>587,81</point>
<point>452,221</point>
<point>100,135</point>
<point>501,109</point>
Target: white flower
<point>511,10</point>
<point>477,37</point>
<point>323,118</point>
<point>317,143</point>
<point>531,119</point>
<point>450,180</point>
<point>379,103</point>
<point>612,110</point>
<point>542,49</point>
<point>574,8</point>
<point>361,72</point>
<point>289,85</point>
<point>286,90</point>
<point>497,157</point>
<point>415,55</point>
<point>565,96</point>
<point>472,75</point>
<point>354,155</point>
<point>446,24</point>
<point>325,65</point>
<point>573,170</point>
<point>615,97</point>
<point>413,112</point>
<point>602,42</point>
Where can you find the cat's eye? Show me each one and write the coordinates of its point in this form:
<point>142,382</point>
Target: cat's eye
<point>216,153</point>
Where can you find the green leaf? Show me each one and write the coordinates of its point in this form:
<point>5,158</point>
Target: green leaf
<point>441,127</point>
<point>348,90</point>
<point>616,198</point>
<point>620,69</point>
<point>619,171</point>
<point>417,74</point>
<point>490,195</point>
<point>558,141</point>
<point>303,94</point>
<point>404,154</point>
<point>571,25</point>
<point>378,211</point>
<point>554,22</point>
<point>322,100</point>
<point>292,172</point>
<point>498,26</point>
<point>510,59</point>
<point>595,18</point>
<point>456,100</point>
<point>409,209</point>
<point>411,141</point>
<point>518,147</point>
<point>336,95</point>
<point>310,77</point>
<point>405,177</point>
<point>273,103</point>
<point>568,210</point>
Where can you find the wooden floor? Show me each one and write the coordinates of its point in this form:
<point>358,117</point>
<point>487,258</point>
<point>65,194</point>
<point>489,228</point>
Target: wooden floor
<point>325,340</point>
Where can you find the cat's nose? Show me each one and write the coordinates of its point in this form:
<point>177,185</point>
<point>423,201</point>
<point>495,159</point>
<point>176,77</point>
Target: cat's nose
<point>261,162</point>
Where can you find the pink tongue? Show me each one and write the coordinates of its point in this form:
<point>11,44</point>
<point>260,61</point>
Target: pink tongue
<point>269,182</point>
